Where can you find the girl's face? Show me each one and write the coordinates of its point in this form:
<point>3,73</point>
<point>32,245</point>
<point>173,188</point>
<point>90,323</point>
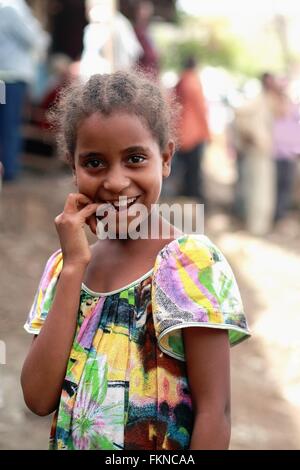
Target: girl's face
<point>117,156</point>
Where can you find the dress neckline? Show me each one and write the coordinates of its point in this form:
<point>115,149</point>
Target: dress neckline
<point>133,283</point>
<point>116,291</point>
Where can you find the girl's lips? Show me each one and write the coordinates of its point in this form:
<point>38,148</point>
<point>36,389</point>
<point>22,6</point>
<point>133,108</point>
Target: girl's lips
<point>123,203</point>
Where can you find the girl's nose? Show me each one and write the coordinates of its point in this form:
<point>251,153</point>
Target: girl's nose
<point>116,181</point>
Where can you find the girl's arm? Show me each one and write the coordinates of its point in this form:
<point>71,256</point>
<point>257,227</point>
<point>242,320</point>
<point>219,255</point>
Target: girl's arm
<point>208,368</point>
<point>45,366</point>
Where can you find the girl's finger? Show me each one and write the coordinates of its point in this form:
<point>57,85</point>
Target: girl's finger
<point>88,210</point>
<point>92,223</point>
<point>75,202</point>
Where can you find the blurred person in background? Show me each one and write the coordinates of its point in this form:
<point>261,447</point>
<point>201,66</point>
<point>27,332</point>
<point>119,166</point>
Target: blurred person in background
<point>286,149</point>
<point>23,43</point>
<point>253,140</point>
<point>193,132</point>
<point>109,41</point>
<point>148,59</point>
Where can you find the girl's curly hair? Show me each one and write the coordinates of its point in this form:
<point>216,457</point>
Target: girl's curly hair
<point>130,92</point>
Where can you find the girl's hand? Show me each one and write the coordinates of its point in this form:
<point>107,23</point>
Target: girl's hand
<point>70,228</point>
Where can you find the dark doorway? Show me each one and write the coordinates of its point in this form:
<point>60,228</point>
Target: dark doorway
<point>67,23</point>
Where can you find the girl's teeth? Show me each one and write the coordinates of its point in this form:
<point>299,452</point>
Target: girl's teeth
<point>123,202</point>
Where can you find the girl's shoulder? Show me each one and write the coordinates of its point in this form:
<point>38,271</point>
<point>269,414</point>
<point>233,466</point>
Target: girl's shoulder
<point>182,252</point>
<point>191,263</point>
<point>193,247</point>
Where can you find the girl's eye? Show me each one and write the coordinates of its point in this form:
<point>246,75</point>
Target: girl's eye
<point>94,163</point>
<point>136,159</point>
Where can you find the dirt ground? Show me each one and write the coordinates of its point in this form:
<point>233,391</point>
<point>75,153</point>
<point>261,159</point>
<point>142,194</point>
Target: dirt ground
<point>265,369</point>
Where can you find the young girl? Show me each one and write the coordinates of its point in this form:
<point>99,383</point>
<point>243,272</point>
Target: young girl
<point>131,345</point>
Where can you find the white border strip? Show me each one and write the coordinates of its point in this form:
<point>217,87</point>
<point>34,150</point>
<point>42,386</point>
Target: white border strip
<point>29,329</point>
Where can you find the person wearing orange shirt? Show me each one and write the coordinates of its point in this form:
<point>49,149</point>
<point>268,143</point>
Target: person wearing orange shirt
<point>193,132</point>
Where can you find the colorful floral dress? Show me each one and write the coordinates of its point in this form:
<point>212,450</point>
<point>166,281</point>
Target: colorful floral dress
<point>126,384</point>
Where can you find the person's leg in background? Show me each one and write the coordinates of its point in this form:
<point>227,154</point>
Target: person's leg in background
<point>239,190</point>
<point>260,192</point>
<point>193,178</point>
<point>285,170</point>
<point>10,129</point>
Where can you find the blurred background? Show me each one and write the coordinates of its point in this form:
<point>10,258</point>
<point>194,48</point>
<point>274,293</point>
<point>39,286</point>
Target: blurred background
<point>235,69</point>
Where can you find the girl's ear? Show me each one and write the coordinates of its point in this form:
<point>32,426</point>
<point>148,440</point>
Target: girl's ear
<point>167,156</point>
<point>74,177</point>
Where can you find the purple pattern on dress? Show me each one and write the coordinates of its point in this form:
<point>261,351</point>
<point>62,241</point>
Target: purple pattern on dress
<point>89,326</point>
<point>48,273</point>
<point>193,271</point>
<point>168,278</point>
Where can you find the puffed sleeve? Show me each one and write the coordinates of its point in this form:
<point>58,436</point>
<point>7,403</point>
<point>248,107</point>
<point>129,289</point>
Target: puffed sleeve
<point>194,286</point>
<point>45,294</point>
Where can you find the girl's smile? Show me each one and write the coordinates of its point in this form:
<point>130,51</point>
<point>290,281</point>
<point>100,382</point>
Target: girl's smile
<point>123,203</point>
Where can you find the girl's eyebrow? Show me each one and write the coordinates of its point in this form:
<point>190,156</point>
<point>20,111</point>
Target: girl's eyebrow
<point>84,155</point>
<point>136,148</point>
